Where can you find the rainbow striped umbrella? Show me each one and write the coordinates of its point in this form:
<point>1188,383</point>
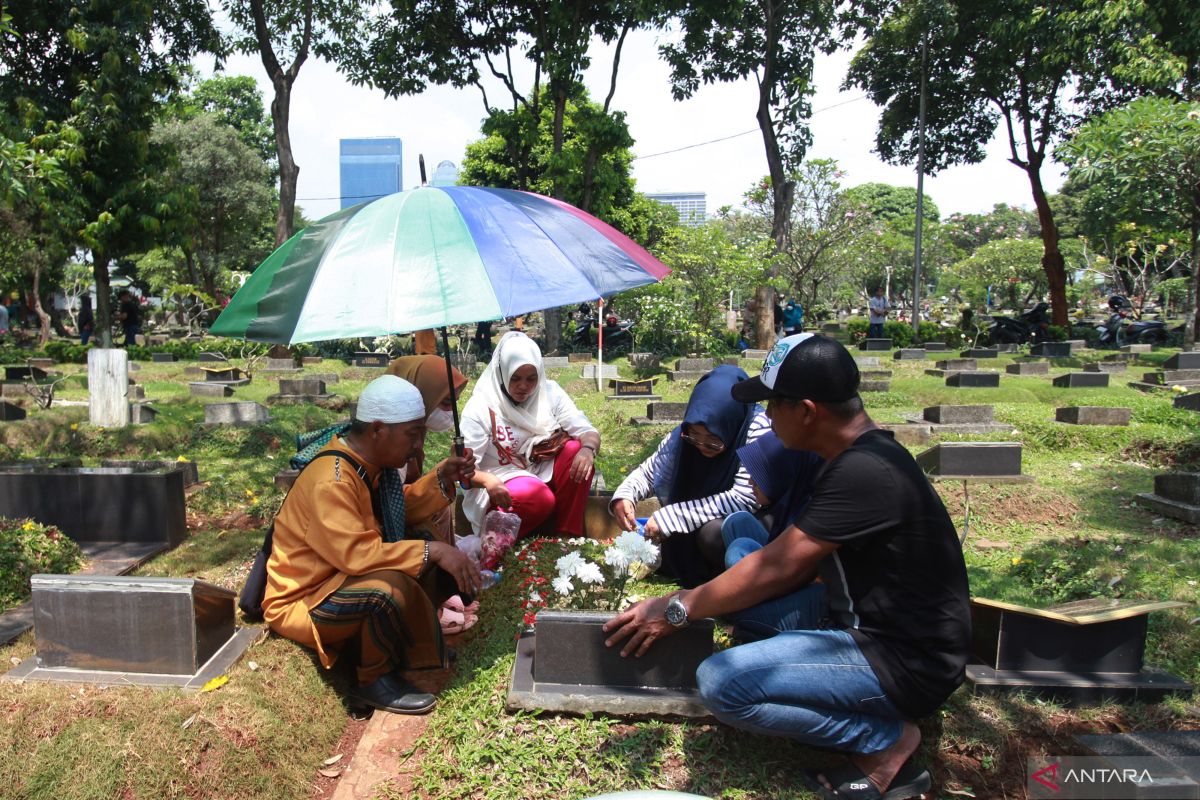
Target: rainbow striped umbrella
<point>432,257</point>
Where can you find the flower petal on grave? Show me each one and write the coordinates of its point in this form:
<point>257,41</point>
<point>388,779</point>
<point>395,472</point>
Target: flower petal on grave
<point>215,683</point>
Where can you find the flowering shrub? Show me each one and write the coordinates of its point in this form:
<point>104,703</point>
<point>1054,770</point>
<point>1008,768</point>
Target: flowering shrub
<point>27,548</point>
<point>579,573</point>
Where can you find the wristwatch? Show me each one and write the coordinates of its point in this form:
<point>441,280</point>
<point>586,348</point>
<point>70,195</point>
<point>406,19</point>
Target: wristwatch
<point>677,613</point>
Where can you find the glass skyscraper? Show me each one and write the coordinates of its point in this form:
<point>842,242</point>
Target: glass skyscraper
<point>370,168</point>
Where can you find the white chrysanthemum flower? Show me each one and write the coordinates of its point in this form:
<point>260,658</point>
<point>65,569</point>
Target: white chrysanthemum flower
<point>535,597</point>
<point>590,573</point>
<point>569,564</point>
<point>618,559</point>
<point>562,584</point>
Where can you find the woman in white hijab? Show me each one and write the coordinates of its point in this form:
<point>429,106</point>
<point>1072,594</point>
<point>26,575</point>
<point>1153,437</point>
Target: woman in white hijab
<point>535,446</point>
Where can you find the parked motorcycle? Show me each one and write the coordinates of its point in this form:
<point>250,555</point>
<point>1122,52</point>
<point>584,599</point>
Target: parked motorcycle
<point>618,334</point>
<point>1028,327</point>
<point>1117,332</point>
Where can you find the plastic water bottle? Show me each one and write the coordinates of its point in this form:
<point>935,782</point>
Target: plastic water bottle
<point>490,578</point>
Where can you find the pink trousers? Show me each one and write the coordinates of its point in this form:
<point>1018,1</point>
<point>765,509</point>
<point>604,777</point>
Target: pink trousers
<point>534,501</point>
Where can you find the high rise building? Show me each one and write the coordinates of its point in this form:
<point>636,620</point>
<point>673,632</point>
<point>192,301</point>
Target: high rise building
<point>370,168</point>
<point>690,205</point>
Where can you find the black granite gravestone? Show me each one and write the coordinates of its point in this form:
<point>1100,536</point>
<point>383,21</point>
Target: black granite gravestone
<point>875,344</point>
<point>371,359</point>
<point>636,389</point>
<point>163,358</point>
<point>1188,359</point>
<point>981,380</point>
<point>1051,350</point>
<point>1093,415</point>
<point>1081,651</point>
<point>24,373</point>
<point>99,504</point>
<point>972,459</point>
<point>10,412</point>
<point>1082,380</point>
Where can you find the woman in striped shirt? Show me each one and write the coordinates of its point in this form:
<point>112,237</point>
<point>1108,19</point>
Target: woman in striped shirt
<point>697,477</point>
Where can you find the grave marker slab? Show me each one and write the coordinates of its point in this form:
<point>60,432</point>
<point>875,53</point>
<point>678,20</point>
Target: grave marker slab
<point>756,354</point>
<point>685,375</point>
<point>239,413</point>
<point>1105,366</point>
<point>280,365</point>
<point>875,374</point>
<point>555,362</point>
<point>199,389</point>
<point>1082,380</point>
<point>644,360</point>
<point>311,360</point>
<point>1137,348</point>
<point>371,360</point>
<point>958,415</point>
<point>579,358</point>
<point>10,412</point>
<point>875,344</point>
<point>302,386</point>
<point>223,374</point>
<point>606,371</point>
<point>132,631</point>
<point>1184,360</point>
<point>909,354</point>
<point>909,432</point>
<point>191,475</point>
<point>1177,495</point>
<point>935,346</point>
<point>211,358</point>
<point>564,666</point>
<point>672,412</point>
<point>1082,651</point>
<point>163,358</point>
<point>142,413</point>
<point>636,390</point>
<point>958,364</point>
<point>972,459</point>
<point>1172,376</point>
<point>1051,350</point>
<point>1028,368</point>
<point>137,392</point>
<point>694,365</point>
<point>1191,401</point>
<point>99,504</point>
<point>874,386</point>
<point>866,362</point>
<point>1093,415</point>
<point>24,373</point>
<point>980,352</point>
<point>977,380</point>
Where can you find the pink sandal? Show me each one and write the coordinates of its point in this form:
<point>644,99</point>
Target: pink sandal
<point>455,603</point>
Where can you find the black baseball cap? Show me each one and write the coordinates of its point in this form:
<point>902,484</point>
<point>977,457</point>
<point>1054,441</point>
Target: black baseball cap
<point>804,366</point>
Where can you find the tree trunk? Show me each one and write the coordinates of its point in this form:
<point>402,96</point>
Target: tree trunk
<point>43,317</point>
<point>289,172</point>
<point>189,258</point>
<point>1053,263</point>
<point>1191,320</point>
<point>103,325</point>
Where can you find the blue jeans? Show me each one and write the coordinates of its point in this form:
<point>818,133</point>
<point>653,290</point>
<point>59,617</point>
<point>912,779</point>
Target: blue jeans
<point>875,330</point>
<point>811,686</point>
<point>800,610</point>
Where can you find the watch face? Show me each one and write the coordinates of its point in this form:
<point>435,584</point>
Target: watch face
<point>676,613</point>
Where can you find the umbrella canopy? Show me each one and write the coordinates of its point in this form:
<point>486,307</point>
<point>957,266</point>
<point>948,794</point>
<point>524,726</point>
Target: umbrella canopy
<point>432,257</point>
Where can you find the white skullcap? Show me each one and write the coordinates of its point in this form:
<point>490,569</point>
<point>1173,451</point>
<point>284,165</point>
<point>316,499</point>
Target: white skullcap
<point>390,399</point>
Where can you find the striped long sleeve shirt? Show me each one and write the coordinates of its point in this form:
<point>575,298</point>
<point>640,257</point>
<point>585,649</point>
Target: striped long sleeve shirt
<point>689,515</point>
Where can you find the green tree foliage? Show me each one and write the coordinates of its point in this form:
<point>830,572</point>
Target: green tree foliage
<point>888,203</point>
<point>106,66</point>
<point>775,42</point>
<point>222,219</point>
<point>590,169</point>
<point>235,101</point>
<point>293,29</point>
<point>686,310</point>
<point>1145,159</point>
<point>1015,64</point>
<point>1008,271</point>
<point>971,231</point>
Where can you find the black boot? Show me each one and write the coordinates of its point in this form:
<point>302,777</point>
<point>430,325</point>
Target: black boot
<point>392,693</point>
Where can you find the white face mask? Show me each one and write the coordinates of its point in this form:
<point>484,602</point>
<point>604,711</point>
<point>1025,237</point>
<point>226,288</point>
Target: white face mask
<point>440,420</point>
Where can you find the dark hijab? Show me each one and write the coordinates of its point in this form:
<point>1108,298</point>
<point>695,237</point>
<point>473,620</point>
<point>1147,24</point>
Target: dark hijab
<point>693,475</point>
<point>786,477</point>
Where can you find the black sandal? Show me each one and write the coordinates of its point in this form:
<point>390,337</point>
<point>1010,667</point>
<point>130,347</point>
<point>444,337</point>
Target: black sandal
<point>852,783</point>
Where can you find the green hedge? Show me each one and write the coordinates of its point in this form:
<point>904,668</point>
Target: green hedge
<point>901,333</point>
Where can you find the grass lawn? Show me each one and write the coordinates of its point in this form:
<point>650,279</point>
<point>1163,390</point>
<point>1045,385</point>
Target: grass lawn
<point>1075,532</point>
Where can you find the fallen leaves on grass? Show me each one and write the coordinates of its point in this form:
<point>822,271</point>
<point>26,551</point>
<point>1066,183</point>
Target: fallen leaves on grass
<point>329,773</point>
<point>215,683</point>
<point>329,762</point>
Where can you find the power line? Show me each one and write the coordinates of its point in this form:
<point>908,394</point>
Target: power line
<point>743,133</point>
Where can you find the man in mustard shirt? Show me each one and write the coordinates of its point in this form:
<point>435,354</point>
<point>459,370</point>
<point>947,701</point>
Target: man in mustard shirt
<point>339,577</point>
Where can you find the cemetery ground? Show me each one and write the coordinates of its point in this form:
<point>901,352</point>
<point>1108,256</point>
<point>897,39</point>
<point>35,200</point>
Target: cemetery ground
<point>1076,531</point>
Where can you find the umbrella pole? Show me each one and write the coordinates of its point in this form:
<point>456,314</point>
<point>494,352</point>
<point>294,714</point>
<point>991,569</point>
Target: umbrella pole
<point>459,444</point>
<point>599,342</point>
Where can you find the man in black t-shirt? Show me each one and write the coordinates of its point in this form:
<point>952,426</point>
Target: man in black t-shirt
<point>895,645</point>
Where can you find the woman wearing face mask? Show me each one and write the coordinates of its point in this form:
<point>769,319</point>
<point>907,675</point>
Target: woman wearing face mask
<point>530,441</point>
<point>698,478</point>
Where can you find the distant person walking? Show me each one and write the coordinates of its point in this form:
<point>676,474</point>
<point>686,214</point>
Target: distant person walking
<point>87,320</point>
<point>879,310</point>
<point>131,317</point>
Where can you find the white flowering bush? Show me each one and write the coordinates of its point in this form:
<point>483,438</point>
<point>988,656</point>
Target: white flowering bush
<point>595,576</point>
